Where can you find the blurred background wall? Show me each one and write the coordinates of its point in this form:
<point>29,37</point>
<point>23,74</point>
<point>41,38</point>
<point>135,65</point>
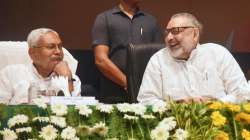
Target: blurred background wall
<point>73,19</point>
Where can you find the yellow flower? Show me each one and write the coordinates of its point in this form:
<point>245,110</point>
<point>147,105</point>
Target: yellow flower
<point>232,107</point>
<point>247,107</point>
<point>218,119</point>
<point>245,134</point>
<point>215,105</point>
<point>243,117</point>
<point>222,136</point>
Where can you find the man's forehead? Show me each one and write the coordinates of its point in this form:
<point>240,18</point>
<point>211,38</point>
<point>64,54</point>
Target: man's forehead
<point>179,22</point>
<point>49,38</point>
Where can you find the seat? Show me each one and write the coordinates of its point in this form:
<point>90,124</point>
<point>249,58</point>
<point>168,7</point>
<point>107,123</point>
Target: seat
<point>16,52</point>
<point>137,59</point>
<point>238,42</point>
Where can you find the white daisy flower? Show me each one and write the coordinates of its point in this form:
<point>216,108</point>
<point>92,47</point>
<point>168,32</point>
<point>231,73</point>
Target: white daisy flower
<point>168,123</point>
<point>105,108</point>
<point>75,138</point>
<point>112,139</point>
<point>132,139</point>
<point>147,117</point>
<point>58,121</point>
<point>8,134</point>
<point>84,129</point>
<point>24,129</point>
<point>41,119</point>
<point>138,109</point>
<point>159,133</point>
<point>40,102</point>
<point>59,109</point>
<point>160,107</point>
<point>181,134</point>
<point>48,133</point>
<point>84,110</point>
<point>100,129</point>
<point>18,119</point>
<point>68,133</point>
<point>124,107</point>
<point>129,117</point>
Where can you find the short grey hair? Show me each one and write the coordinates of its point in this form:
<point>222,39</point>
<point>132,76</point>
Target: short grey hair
<point>192,18</point>
<point>35,35</point>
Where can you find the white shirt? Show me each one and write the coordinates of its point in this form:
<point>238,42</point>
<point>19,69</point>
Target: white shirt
<point>18,82</point>
<point>211,71</point>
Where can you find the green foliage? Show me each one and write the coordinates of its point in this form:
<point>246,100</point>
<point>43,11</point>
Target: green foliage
<point>72,117</point>
<point>193,118</point>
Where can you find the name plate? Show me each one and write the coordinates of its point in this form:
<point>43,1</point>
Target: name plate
<point>73,100</point>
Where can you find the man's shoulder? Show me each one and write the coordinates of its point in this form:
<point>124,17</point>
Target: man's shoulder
<point>214,51</point>
<point>148,14</point>
<point>160,53</point>
<point>108,11</point>
<point>15,68</point>
<point>213,47</point>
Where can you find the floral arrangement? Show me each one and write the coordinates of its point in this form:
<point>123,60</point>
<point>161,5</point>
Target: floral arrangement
<point>210,121</point>
<point>231,120</point>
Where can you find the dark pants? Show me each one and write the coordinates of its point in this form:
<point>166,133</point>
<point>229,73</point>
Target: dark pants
<point>112,93</point>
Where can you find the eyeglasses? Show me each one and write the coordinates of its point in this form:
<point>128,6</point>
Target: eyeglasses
<point>52,47</point>
<point>176,30</point>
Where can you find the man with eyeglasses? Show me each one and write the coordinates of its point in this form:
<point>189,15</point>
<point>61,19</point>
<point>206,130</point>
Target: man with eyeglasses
<point>187,71</point>
<point>47,75</point>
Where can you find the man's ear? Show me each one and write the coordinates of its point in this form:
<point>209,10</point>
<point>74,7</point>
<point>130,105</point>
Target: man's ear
<point>196,34</point>
<point>31,52</point>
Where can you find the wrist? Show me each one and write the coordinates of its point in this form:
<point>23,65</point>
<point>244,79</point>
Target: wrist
<point>71,79</point>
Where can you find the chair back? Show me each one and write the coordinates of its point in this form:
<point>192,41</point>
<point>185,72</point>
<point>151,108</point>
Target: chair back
<point>16,52</point>
<point>137,59</point>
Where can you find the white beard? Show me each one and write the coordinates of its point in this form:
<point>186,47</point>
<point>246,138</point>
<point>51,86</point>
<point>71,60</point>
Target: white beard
<point>177,53</point>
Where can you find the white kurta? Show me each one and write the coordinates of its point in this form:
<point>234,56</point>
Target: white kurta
<point>17,81</point>
<point>211,71</point>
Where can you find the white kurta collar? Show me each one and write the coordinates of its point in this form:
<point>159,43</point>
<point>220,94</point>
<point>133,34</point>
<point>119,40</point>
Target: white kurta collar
<point>34,70</point>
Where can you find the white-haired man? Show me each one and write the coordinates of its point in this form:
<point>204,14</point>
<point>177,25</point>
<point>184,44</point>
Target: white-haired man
<point>47,75</point>
<point>188,71</point>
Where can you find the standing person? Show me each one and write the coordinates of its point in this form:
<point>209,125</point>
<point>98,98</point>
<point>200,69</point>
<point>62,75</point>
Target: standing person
<point>112,32</point>
<point>188,71</point>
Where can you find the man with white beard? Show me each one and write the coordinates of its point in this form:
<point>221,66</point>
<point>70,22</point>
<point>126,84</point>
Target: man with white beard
<point>187,71</point>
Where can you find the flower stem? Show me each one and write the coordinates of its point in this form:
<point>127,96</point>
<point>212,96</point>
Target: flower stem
<point>132,133</point>
<point>79,120</point>
<point>139,126</point>
<point>235,128</point>
<point>47,110</point>
<point>148,129</point>
<point>104,117</point>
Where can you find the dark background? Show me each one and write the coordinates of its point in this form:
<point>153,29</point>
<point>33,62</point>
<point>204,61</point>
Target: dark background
<point>73,19</point>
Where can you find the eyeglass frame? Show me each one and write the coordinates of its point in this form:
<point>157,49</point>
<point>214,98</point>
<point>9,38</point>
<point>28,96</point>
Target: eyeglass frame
<point>51,46</point>
<point>178,30</point>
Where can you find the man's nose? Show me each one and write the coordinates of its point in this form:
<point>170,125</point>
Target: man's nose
<point>58,49</point>
<point>169,36</point>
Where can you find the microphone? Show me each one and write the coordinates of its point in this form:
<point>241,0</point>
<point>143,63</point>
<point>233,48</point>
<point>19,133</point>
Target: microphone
<point>60,93</point>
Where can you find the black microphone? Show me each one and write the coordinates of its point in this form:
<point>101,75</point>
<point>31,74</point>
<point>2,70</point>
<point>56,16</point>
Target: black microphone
<point>60,93</point>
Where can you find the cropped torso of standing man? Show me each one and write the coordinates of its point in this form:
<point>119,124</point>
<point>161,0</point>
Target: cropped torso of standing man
<point>112,32</point>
